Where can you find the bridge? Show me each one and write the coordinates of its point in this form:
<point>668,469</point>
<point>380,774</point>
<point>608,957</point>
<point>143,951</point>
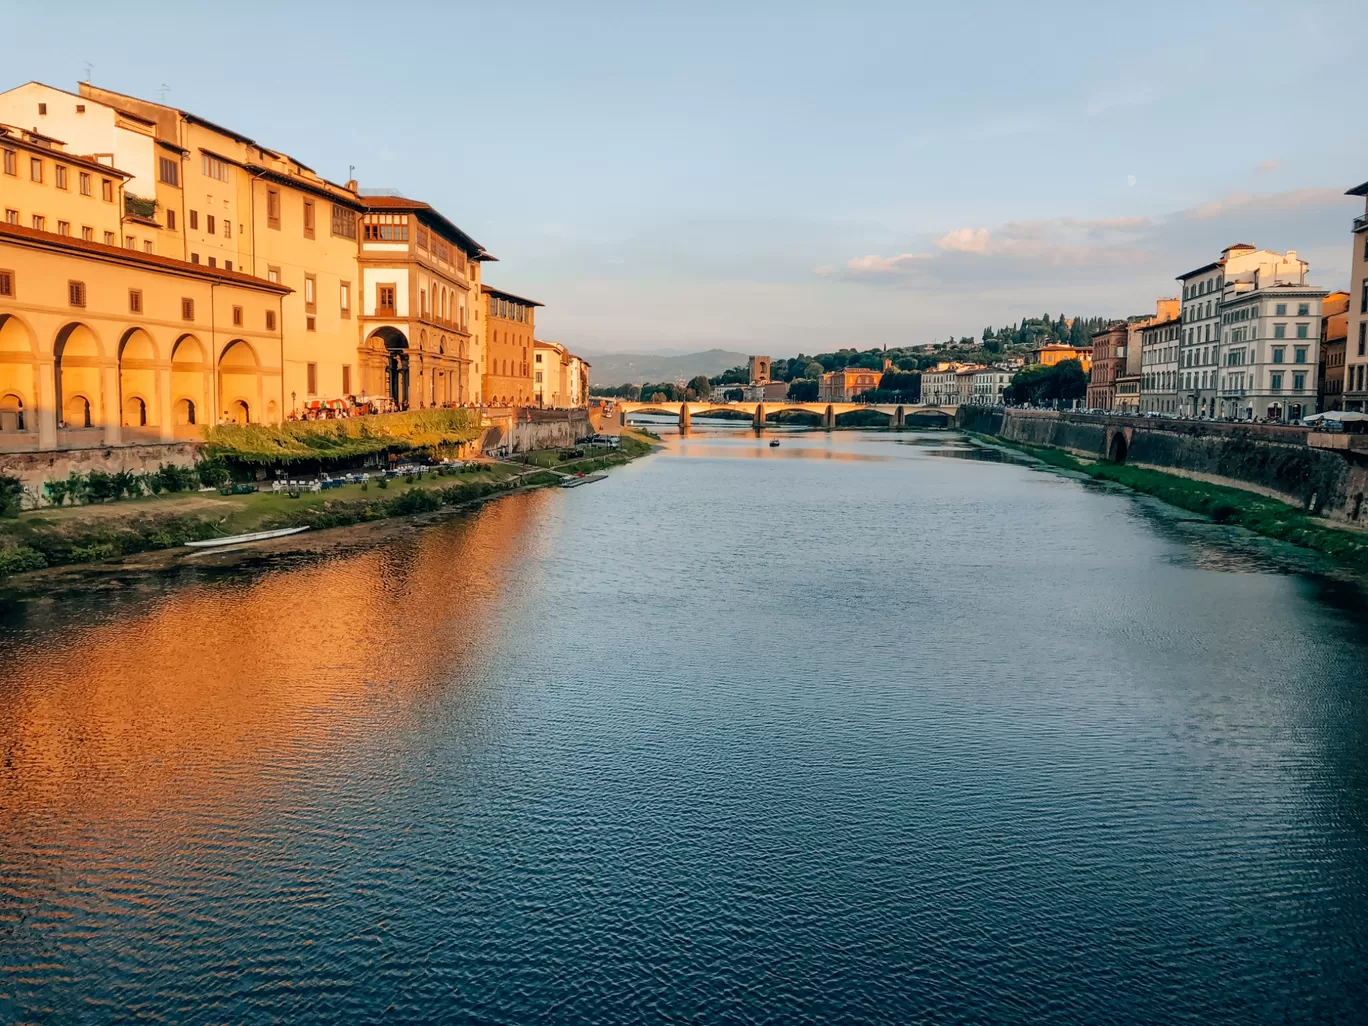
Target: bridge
<point>899,415</point>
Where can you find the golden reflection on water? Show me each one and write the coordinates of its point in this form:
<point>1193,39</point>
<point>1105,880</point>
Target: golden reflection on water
<point>176,702</point>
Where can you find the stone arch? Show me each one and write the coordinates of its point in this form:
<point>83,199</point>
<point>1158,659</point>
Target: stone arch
<point>1118,447</point>
<point>385,365</point>
<point>138,379</point>
<point>189,386</point>
<point>19,367</point>
<point>239,382</point>
<point>12,413</point>
<point>78,359</point>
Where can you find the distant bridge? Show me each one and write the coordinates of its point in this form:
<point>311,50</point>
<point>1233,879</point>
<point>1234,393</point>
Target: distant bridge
<point>761,412</point>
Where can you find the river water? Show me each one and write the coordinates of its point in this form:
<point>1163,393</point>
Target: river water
<point>866,728</point>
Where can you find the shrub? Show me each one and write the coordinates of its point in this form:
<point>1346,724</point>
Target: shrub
<point>382,482</point>
<point>57,491</point>
<point>18,561</point>
<point>415,500</point>
<point>11,494</point>
<point>212,472</point>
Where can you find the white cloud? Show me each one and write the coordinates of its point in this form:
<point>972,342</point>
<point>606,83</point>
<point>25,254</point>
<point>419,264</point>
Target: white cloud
<point>966,240</point>
<point>886,265</point>
<point>1266,166</point>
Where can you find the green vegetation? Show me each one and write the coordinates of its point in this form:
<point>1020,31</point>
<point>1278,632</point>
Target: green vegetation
<point>65,535</point>
<point>11,493</point>
<point>139,207</point>
<point>1040,384</point>
<point>1223,504</point>
<point>330,441</point>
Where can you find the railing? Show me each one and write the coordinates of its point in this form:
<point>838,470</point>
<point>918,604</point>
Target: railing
<point>1360,223</point>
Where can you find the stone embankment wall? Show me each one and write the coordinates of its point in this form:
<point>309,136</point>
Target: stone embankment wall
<point>33,468</point>
<point>1272,459</point>
<point>527,429</point>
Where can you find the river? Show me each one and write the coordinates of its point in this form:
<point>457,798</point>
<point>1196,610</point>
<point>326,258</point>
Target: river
<point>870,727</point>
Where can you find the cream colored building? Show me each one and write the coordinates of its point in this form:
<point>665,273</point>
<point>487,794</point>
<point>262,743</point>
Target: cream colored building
<point>1356,341</point>
<point>560,379</point>
<point>988,385</point>
<point>103,345</point>
<point>419,278</point>
<point>1270,346</point>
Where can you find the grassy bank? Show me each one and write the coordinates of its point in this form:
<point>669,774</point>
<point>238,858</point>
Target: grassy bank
<point>1222,503</point>
<point>68,535</point>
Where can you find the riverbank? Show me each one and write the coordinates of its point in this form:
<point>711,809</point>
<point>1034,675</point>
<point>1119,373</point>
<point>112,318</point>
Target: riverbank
<point>71,536</point>
<point>1261,514</point>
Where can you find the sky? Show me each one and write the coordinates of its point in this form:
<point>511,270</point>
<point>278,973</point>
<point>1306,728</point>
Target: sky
<point>789,176</point>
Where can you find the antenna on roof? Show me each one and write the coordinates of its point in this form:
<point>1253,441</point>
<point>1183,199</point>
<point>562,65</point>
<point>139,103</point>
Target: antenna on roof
<point>89,68</point>
<point>162,90</point>
<point>351,171</point>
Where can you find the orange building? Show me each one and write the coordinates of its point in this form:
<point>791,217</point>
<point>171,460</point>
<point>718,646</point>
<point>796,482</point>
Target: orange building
<point>841,386</point>
<point>509,325</point>
<point>1058,352</point>
<point>1334,336</point>
<point>1109,363</point>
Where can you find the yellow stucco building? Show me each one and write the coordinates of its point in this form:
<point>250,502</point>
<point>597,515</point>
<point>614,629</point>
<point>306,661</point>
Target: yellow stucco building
<point>560,379</point>
<point>509,327</point>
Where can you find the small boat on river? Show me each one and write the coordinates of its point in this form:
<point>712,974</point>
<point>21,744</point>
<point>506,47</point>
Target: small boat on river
<point>575,482</point>
<point>239,539</point>
<point>774,443</point>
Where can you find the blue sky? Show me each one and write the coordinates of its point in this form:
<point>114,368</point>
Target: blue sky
<point>788,176</point>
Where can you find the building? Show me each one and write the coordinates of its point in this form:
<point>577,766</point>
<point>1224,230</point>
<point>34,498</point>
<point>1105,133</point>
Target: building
<point>988,385</point>
<point>1127,395</point>
<point>419,280</point>
<point>1159,365</point>
<point>577,381</point>
<point>842,386</point>
<point>1058,352</point>
<point>560,379</point>
<point>509,329</point>
<point>770,391</point>
<point>1109,360</point>
<point>1334,334</point>
<point>1356,326</point>
<point>1270,341</point>
<point>105,345</point>
<point>759,367</point>
<point>1203,287</point>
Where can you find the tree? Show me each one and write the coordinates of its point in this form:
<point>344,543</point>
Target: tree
<point>814,370</point>
<point>803,390</point>
<point>701,386</point>
<point>1063,381</point>
<point>735,395</point>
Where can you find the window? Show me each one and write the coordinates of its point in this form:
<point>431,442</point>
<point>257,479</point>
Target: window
<point>83,180</point>
<point>270,320</point>
<point>87,233</point>
<point>36,168</point>
<point>273,208</point>
<point>422,302</point>
<point>311,376</point>
<point>1280,310</point>
<point>1299,356</point>
<point>237,316</point>
<point>310,323</point>
<point>1303,309</point>
<point>1363,299</point>
<point>1299,380</point>
<point>384,299</point>
<point>227,265</point>
<point>134,301</point>
<point>343,222</point>
<point>42,109</point>
<point>310,298</point>
<point>76,293</point>
<point>7,284</point>
<point>227,228</point>
<point>213,262</point>
<point>1280,331</point>
<point>11,162</point>
<point>109,238</point>
<point>130,242</point>
<point>39,223</point>
<point>539,357</point>
<point>1275,381</point>
<point>346,379</point>
<point>106,190</point>
<point>308,219</point>
<point>194,258</point>
<point>194,220</point>
<point>1302,330</point>
<point>1363,339</point>
<point>273,275</point>
<point>213,167</point>
<point>11,215</point>
<point>187,309</point>
<point>1278,354</point>
<point>147,245</point>
<point>386,228</point>
<point>209,224</point>
<point>59,176</point>
<point>168,171</point>
<point>171,220</point>
<point>344,298</point>
<point>63,227</point>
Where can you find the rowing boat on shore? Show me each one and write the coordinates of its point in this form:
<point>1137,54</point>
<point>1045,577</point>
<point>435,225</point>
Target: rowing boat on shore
<point>575,482</point>
<point>238,539</point>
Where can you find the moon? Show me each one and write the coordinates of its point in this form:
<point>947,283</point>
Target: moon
<point>1130,179</point>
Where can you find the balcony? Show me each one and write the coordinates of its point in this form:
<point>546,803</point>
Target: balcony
<point>1360,223</point>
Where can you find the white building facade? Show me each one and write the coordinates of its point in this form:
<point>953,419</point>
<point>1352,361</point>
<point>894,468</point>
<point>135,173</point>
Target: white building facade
<point>989,384</point>
<point>1159,355</point>
<point>1270,347</point>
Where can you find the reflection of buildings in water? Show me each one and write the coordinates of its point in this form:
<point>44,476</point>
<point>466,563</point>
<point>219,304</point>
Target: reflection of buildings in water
<point>181,706</point>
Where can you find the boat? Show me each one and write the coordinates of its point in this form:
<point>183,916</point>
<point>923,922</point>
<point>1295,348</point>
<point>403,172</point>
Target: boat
<point>239,539</point>
<point>774,443</point>
<point>582,479</point>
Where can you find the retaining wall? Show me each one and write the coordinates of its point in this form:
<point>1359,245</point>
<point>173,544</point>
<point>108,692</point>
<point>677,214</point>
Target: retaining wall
<point>33,468</point>
<point>1271,458</point>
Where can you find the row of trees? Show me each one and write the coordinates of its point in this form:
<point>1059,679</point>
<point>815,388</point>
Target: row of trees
<point>1038,384</point>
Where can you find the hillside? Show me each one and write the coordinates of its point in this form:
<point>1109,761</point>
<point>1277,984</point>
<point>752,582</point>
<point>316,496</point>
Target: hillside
<point>622,368</point>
